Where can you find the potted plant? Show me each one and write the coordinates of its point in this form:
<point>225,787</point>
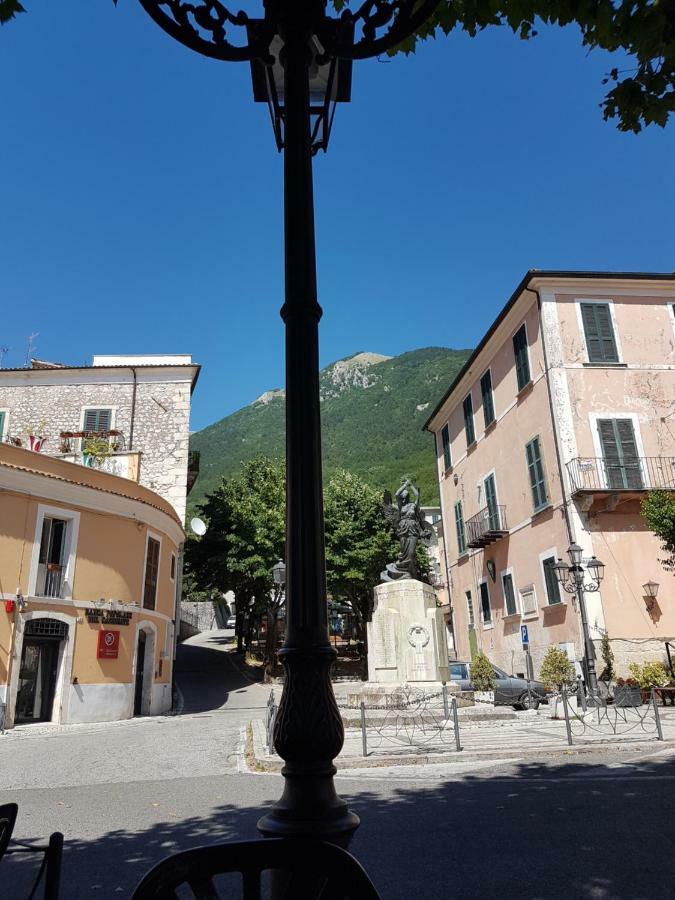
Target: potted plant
<point>64,446</point>
<point>483,678</point>
<point>557,671</point>
<point>95,450</point>
<point>36,437</point>
<point>649,675</point>
<point>627,692</point>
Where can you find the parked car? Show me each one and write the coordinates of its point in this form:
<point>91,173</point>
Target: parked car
<point>509,690</point>
<point>231,622</point>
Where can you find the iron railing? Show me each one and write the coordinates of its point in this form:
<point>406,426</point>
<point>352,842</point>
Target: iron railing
<point>50,580</point>
<point>486,526</point>
<point>635,473</point>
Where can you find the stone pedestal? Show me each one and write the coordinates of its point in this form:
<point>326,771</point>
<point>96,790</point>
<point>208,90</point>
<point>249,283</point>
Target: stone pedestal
<point>406,637</point>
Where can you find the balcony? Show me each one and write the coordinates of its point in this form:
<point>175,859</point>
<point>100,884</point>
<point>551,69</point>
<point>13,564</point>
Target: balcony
<point>618,481</point>
<point>486,527</point>
<point>49,580</point>
<point>125,464</point>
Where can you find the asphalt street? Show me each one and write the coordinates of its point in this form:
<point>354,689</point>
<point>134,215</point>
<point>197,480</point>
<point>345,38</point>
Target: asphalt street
<point>128,794</point>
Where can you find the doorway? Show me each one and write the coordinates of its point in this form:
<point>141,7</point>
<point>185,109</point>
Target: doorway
<point>145,663</point>
<point>140,671</point>
<point>38,670</point>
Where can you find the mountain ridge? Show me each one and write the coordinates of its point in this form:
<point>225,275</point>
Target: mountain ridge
<point>373,408</point>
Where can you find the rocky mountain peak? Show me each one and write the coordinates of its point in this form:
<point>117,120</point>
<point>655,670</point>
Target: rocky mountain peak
<point>355,371</point>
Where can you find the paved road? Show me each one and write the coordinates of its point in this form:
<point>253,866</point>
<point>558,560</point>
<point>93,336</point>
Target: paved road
<point>129,794</point>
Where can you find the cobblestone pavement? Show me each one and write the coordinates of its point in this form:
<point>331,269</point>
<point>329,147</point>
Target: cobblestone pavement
<point>126,795</point>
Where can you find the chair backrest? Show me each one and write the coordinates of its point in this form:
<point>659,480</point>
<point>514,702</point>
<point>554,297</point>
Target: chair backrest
<point>7,821</point>
<point>309,870</point>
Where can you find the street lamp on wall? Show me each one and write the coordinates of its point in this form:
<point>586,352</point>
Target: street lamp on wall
<point>651,589</point>
<point>571,579</point>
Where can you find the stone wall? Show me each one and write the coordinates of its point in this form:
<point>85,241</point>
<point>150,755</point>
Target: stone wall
<point>161,419</point>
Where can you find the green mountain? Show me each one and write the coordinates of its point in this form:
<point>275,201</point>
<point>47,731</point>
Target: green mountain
<point>373,409</point>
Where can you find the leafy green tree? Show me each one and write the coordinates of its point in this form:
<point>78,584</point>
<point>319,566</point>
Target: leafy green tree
<point>482,674</point>
<point>359,544</point>
<point>244,539</point>
<point>8,9</point>
<point>557,669</point>
<point>658,508</point>
<point>607,657</point>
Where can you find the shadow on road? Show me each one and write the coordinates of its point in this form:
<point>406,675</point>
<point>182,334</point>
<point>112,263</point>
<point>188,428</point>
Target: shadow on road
<point>206,673</point>
<point>541,833</point>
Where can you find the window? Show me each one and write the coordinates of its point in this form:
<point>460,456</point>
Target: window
<point>599,332</point>
<point>620,454</point>
<point>536,469</point>
<point>509,594</point>
<point>97,420</point>
<point>468,421</point>
<point>488,402</point>
<point>493,517</point>
<point>486,612</point>
<point>469,610</point>
<point>172,573</point>
<point>151,573</point>
<point>2,424</point>
<point>445,440</point>
<point>459,524</point>
<point>52,558</point>
<point>522,359</point>
<point>528,600</point>
<point>552,586</point>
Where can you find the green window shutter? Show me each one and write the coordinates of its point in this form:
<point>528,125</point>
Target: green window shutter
<point>97,419</point>
<point>599,332</point>
<point>485,603</point>
<point>520,353</point>
<point>620,454</point>
<point>509,594</point>
<point>468,421</point>
<point>491,503</point>
<point>445,439</point>
<point>2,424</point>
<point>536,471</point>
<point>469,609</point>
<point>459,525</point>
<point>552,586</point>
<point>488,401</point>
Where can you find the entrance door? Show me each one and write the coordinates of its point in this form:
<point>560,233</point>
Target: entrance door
<point>140,668</point>
<point>37,680</point>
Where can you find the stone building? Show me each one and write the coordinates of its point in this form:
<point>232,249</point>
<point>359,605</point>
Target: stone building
<point>554,430</point>
<point>141,404</point>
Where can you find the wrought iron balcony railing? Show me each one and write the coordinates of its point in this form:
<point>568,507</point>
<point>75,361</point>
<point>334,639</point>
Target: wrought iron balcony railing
<point>486,527</point>
<point>50,580</point>
<point>635,473</point>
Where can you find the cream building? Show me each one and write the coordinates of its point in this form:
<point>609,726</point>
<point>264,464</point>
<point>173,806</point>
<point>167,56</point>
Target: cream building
<point>558,424</point>
<point>89,582</point>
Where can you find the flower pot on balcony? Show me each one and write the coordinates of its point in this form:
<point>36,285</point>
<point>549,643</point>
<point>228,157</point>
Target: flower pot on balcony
<point>35,442</point>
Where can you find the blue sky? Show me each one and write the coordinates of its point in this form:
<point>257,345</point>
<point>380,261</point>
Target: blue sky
<point>141,203</point>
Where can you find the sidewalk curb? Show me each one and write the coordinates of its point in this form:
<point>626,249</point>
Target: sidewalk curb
<point>257,759</point>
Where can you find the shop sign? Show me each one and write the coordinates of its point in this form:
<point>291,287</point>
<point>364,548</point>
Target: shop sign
<point>107,616</point>
<point>108,644</point>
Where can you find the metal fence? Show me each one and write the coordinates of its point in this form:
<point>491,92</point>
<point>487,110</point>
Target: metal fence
<point>635,473</point>
<point>600,720</point>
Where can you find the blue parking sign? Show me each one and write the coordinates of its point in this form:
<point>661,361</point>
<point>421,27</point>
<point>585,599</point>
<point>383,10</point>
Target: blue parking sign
<point>524,635</point>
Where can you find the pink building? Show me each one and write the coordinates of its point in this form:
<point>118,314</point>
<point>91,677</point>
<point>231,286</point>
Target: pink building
<point>558,424</point>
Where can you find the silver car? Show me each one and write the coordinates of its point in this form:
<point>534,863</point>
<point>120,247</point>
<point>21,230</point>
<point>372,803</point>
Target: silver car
<point>509,690</point>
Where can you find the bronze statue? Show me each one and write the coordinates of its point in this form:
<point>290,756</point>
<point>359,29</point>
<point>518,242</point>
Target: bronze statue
<point>410,525</point>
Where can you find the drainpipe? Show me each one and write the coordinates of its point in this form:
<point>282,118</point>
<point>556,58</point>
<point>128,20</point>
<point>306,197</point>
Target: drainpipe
<point>133,408</point>
<point>556,441</point>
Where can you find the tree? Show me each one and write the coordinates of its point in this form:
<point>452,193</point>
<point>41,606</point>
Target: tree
<point>244,539</point>
<point>8,9</point>
<point>607,657</point>
<point>359,544</point>
<point>658,508</point>
<point>482,673</point>
<point>557,669</point>
<point>645,29</point>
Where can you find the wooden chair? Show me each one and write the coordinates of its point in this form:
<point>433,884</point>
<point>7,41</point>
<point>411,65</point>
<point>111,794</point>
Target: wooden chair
<point>309,870</point>
<point>52,853</point>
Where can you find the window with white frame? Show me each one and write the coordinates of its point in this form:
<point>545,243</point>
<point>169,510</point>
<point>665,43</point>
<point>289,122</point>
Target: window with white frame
<point>469,428</point>
<point>599,332</point>
<point>510,605</point>
<point>485,609</point>
<point>620,454</point>
<point>551,581</point>
<point>53,564</point>
<point>445,440</point>
<point>488,399</point>
<point>535,468</point>
<point>151,573</point>
<point>522,358</point>
<point>459,526</point>
<point>4,417</point>
<point>469,610</point>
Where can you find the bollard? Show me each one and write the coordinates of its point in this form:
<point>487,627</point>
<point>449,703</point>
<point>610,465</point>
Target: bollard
<point>455,722</point>
<point>364,739</point>
<point>657,717</point>
<point>446,711</point>
<point>567,716</point>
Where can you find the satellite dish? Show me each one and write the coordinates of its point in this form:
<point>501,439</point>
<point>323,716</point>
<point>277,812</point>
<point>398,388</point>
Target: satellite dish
<point>198,526</point>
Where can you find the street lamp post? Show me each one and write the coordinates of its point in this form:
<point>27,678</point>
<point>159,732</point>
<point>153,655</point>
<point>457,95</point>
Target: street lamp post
<point>299,36</point>
<point>571,579</point>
